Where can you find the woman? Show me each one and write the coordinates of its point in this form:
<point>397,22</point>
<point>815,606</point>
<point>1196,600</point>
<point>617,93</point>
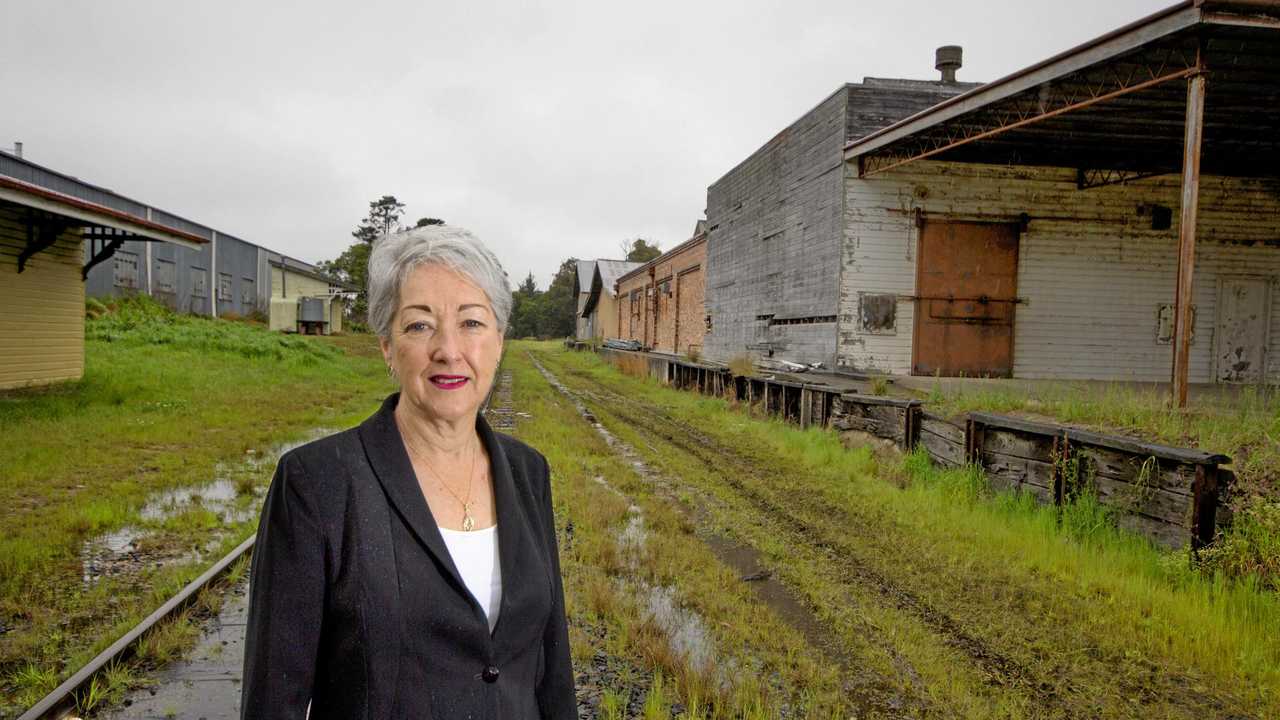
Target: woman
<point>408,568</point>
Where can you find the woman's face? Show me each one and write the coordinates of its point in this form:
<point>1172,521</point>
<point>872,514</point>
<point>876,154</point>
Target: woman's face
<point>444,344</point>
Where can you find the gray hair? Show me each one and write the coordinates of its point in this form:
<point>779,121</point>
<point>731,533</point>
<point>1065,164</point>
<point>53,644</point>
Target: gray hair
<point>396,255</point>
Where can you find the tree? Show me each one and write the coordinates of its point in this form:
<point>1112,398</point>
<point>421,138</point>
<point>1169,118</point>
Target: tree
<point>524,309</point>
<point>352,266</point>
<point>384,217</point>
<point>423,222</point>
<point>560,302</point>
<point>535,313</point>
<point>640,250</point>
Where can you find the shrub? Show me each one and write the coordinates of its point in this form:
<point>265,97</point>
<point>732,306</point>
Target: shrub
<point>1251,547</point>
<point>142,320</point>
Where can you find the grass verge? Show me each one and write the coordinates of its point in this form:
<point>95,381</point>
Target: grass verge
<point>167,402</point>
<point>996,606</point>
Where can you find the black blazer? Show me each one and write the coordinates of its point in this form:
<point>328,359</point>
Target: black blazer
<point>356,606</point>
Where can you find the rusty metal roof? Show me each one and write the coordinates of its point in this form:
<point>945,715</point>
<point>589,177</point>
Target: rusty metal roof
<point>1114,106</point>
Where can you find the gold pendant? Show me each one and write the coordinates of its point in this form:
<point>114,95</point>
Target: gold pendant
<point>468,522</point>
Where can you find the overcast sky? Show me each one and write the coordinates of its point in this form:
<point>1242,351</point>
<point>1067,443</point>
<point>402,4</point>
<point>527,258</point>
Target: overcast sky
<point>552,130</point>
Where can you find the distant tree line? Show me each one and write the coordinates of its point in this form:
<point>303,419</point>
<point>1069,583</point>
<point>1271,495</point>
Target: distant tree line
<point>534,313</point>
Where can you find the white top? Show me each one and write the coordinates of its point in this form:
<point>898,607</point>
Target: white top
<point>475,553</point>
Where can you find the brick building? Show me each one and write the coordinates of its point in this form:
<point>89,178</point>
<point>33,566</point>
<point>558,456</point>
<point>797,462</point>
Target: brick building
<point>661,304</point>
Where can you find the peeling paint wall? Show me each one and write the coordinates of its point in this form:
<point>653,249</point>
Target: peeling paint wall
<point>774,225</point>
<point>773,242</point>
<point>1091,270</point>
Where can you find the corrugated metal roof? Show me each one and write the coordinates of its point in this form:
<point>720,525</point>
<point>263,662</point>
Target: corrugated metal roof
<point>586,268</point>
<point>611,270</point>
<point>604,278</point>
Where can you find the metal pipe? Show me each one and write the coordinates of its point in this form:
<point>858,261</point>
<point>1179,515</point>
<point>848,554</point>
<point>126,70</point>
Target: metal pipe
<point>1193,135</point>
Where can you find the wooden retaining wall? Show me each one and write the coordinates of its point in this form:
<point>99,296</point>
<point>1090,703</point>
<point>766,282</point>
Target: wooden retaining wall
<point>1170,495</point>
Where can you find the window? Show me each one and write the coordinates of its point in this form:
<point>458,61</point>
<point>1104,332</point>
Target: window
<point>126,269</point>
<point>877,313</point>
<point>248,295</point>
<point>166,277</point>
<point>199,282</point>
<point>224,287</point>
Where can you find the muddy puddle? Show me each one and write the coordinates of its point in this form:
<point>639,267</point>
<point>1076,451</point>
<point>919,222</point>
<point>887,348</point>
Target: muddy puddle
<point>127,550</point>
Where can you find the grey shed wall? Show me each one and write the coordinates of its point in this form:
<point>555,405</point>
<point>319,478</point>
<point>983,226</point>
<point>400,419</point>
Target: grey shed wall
<point>177,262</point>
<point>775,225</point>
<point>238,260</point>
<point>244,262</point>
<point>773,243</point>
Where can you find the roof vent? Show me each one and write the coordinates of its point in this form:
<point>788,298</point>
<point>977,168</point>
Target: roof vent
<point>947,59</point>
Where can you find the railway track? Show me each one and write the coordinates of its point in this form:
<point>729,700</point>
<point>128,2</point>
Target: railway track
<point>62,701</point>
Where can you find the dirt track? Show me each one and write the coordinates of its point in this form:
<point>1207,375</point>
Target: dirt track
<point>845,542</point>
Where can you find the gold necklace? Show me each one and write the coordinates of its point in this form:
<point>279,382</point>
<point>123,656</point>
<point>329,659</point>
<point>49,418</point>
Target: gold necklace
<point>468,522</point>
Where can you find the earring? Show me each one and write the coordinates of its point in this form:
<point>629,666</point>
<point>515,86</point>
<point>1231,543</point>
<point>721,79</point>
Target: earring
<point>391,372</point>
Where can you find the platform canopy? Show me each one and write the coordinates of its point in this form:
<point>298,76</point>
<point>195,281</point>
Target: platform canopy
<point>1192,89</point>
<point>1114,108</point>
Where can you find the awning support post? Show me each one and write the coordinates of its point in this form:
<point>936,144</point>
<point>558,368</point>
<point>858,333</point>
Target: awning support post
<point>1193,135</point>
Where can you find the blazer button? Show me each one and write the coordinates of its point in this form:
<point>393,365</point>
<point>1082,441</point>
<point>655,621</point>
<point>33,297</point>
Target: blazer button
<point>490,674</point>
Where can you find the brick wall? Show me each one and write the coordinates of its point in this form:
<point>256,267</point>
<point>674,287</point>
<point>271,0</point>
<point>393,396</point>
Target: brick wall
<point>661,303</point>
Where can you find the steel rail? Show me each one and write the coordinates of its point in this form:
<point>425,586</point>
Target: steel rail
<point>62,700</point>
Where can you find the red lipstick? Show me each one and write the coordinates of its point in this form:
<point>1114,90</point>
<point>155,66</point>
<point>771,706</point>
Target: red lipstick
<point>448,382</point>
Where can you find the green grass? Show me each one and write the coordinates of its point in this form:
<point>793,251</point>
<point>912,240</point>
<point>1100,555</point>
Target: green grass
<point>1115,626</point>
<point>166,401</point>
<point>606,583</point>
<point>1243,424</point>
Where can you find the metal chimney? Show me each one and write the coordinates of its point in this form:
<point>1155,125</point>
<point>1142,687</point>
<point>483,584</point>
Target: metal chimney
<point>947,59</point>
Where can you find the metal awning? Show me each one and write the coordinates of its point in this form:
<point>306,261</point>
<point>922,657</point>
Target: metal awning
<point>1194,88</point>
<point>1112,108</point>
<point>53,203</point>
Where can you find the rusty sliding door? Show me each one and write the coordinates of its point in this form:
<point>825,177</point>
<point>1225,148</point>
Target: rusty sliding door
<point>966,292</point>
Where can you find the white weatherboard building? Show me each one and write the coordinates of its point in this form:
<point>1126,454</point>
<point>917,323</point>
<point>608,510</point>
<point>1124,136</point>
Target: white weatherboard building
<point>1110,213</point>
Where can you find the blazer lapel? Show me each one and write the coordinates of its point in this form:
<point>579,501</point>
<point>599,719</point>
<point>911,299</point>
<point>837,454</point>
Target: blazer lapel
<point>390,462</point>
<point>512,521</point>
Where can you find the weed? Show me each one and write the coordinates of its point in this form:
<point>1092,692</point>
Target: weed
<point>879,386</point>
<point>694,353</point>
<point>168,640</point>
<point>1251,550</point>
<point>92,696</point>
<point>656,705</point>
<point>613,704</point>
<point>742,366</point>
